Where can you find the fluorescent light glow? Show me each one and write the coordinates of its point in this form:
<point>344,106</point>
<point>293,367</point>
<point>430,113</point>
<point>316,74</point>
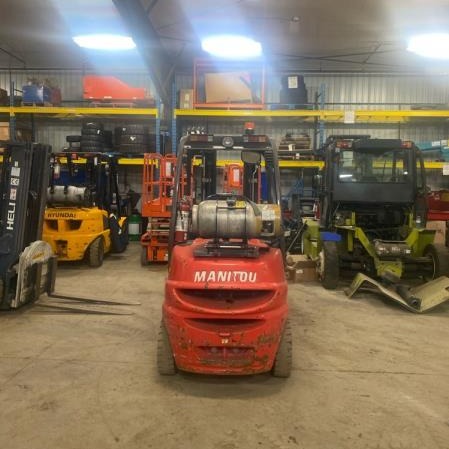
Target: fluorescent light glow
<point>231,46</point>
<point>109,42</point>
<point>432,45</point>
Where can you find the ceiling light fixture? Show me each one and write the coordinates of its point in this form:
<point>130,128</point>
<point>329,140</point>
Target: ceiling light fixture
<point>231,46</point>
<point>110,42</point>
<point>432,45</point>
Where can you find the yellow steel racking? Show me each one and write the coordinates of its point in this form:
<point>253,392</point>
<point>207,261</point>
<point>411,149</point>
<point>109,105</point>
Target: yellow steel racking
<point>61,112</point>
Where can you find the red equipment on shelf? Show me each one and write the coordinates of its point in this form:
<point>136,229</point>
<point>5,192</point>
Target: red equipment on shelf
<point>158,176</point>
<point>111,89</point>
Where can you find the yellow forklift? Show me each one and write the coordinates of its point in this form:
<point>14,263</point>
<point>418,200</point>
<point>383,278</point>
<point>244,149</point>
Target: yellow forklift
<point>83,218</point>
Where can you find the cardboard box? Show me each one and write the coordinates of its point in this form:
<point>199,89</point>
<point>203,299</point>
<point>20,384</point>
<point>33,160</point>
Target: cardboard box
<point>186,99</point>
<point>229,87</point>
<point>440,228</point>
<point>22,134</point>
<point>306,274</point>
<point>302,274</point>
<point>300,261</point>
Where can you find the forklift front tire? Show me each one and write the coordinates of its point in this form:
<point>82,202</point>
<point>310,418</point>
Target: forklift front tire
<point>96,252</point>
<point>166,365</point>
<point>328,265</point>
<point>439,255</point>
<point>282,366</point>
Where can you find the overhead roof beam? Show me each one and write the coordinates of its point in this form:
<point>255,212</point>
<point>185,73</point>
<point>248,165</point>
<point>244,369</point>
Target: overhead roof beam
<point>148,43</point>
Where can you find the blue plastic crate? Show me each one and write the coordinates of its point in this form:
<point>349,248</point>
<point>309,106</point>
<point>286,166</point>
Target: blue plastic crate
<point>33,94</point>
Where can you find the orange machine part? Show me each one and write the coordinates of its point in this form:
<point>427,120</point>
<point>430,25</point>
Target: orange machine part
<point>157,190</point>
<point>110,88</point>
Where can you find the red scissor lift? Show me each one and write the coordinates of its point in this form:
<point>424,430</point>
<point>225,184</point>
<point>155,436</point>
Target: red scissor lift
<point>158,177</point>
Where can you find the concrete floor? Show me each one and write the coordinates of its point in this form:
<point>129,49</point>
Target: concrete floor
<point>367,374</point>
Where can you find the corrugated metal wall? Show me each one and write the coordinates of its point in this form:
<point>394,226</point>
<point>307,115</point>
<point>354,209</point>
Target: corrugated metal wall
<point>70,83</point>
<point>350,91</point>
<point>342,91</point>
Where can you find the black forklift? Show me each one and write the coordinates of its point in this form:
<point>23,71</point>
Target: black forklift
<point>372,220</point>
<point>27,264</point>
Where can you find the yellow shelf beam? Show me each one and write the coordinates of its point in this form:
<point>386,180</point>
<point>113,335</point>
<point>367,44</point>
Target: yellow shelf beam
<point>430,165</point>
<point>245,113</point>
<point>360,115</point>
<point>75,111</point>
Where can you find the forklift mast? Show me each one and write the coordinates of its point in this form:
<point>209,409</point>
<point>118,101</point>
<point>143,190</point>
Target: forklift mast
<point>197,164</point>
<point>100,180</point>
<point>23,185</point>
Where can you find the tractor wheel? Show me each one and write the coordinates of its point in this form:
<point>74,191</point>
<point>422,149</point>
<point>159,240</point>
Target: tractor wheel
<point>166,365</point>
<point>283,362</point>
<point>439,255</point>
<point>96,252</point>
<point>328,265</point>
<point>144,256</point>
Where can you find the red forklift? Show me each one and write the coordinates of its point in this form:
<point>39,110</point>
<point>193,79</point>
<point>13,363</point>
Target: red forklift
<point>225,309</point>
<point>157,190</point>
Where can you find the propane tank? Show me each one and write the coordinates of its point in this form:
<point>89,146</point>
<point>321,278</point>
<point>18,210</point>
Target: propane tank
<point>182,223</point>
<point>223,219</point>
<point>69,196</point>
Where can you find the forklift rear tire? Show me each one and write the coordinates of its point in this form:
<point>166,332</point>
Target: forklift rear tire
<point>329,270</point>
<point>96,252</point>
<point>166,365</point>
<point>439,254</point>
<point>282,366</point>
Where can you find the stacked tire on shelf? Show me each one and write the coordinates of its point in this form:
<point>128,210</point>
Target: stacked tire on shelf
<point>133,139</point>
<point>92,137</point>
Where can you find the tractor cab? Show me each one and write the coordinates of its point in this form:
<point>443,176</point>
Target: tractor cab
<point>225,308</point>
<point>372,213</point>
<point>381,181</point>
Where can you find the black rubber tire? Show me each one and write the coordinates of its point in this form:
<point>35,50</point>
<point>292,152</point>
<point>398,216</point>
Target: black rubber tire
<point>88,132</point>
<point>330,271</point>
<point>134,129</point>
<point>92,148</point>
<point>133,139</point>
<point>166,365</point>
<point>439,255</point>
<point>73,139</point>
<point>86,140</point>
<point>143,257</point>
<point>96,253</point>
<point>282,365</point>
<point>131,148</point>
<point>92,125</point>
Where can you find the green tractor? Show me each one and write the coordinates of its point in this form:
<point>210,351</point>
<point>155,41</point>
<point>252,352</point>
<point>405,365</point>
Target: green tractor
<point>372,214</point>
